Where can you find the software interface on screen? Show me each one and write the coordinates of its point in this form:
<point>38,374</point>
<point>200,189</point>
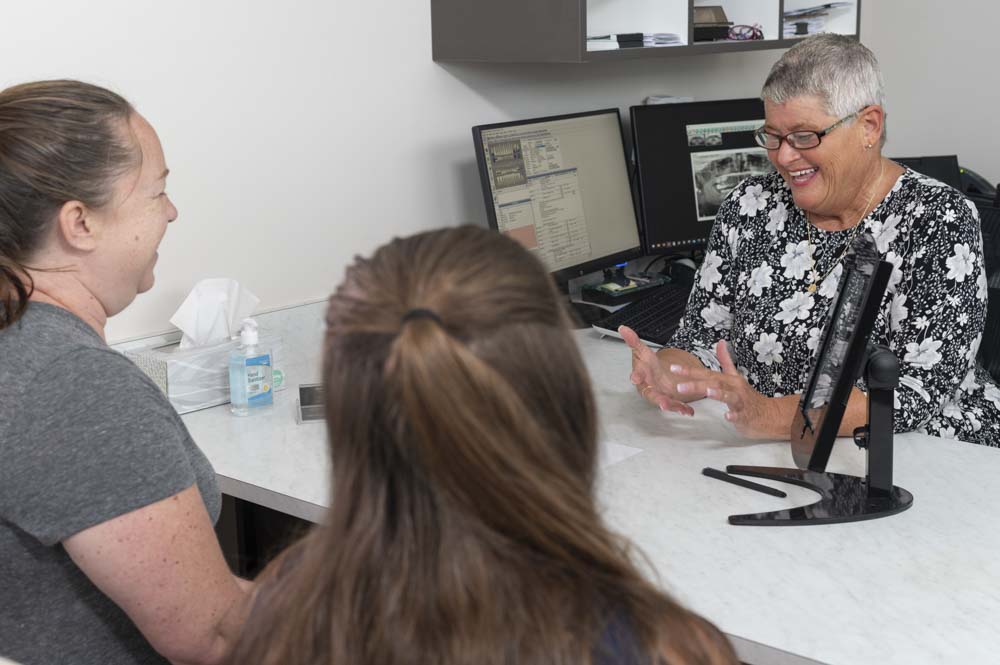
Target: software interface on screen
<point>689,157</point>
<point>560,187</point>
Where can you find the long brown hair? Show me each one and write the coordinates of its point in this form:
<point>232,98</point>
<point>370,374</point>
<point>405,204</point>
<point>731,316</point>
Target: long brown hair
<point>59,141</point>
<point>462,528</point>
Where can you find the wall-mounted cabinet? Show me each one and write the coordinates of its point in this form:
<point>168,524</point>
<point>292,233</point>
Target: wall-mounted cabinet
<point>558,30</point>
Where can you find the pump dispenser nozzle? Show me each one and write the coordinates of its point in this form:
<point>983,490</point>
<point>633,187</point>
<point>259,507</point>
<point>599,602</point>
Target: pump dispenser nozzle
<point>248,333</point>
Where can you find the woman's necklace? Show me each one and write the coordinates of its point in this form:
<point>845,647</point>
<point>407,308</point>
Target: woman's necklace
<point>814,277</point>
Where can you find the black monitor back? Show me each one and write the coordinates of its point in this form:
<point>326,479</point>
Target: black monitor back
<point>989,348</point>
<point>842,349</point>
<point>689,157</point>
<point>940,167</point>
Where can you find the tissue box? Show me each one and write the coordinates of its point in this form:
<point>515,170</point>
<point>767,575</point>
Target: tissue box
<point>197,378</point>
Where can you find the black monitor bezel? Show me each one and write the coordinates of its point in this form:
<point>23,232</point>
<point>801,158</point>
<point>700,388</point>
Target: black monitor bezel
<point>674,111</point>
<point>563,275</point>
<point>811,447</point>
<point>919,165</point>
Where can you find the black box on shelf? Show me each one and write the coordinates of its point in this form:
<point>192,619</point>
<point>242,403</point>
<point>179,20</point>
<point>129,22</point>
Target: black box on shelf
<point>710,24</point>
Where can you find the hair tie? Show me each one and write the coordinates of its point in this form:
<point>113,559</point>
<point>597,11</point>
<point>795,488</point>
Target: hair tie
<point>419,313</point>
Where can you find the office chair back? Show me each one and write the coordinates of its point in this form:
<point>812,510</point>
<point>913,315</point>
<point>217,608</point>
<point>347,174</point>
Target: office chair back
<point>989,349</point>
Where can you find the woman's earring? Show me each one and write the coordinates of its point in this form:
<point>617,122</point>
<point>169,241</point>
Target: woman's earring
<point>868,147</point>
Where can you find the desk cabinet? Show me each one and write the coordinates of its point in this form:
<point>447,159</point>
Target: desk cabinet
<point>557,30</point>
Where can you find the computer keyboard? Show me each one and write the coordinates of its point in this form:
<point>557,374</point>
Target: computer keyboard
<point>654,318</point>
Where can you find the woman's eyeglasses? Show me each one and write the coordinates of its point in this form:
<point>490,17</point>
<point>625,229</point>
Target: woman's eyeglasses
<point>802,140</point>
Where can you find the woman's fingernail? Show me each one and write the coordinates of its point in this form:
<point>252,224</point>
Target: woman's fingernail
<point>676,368</point>
<point>712,392</point>
<point>683,387</point>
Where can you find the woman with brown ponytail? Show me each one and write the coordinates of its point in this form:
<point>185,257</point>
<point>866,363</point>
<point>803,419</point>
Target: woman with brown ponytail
<point>107,552</point>
<point>463,528</point>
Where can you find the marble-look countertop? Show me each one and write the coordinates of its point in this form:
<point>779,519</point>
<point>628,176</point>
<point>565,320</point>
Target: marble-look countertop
<point>918,587</point>
<point>922,586</point>
<point>268,458</point>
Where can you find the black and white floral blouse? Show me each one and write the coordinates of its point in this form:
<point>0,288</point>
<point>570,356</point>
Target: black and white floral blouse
<point>753,290</point>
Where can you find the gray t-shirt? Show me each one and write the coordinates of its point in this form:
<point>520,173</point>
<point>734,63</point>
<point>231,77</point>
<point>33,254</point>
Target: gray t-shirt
<point>85,437</point>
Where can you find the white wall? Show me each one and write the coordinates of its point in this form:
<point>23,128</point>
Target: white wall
<point>302,133</point>
<point>939,60</point>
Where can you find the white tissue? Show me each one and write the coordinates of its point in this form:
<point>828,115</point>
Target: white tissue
<point>212,312</point>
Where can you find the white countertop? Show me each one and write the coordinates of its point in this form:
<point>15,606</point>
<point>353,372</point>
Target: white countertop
<point>918,587</point>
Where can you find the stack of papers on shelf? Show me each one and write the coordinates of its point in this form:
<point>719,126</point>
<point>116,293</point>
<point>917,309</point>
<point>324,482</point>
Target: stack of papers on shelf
<point>811,19</point>
<point>666,99</point>
<point>631,40</point>
<point>816,10</point>
<point>661,39</point>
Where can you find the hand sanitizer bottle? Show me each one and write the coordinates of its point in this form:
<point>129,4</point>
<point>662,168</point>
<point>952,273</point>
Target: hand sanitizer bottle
<point>251,383</point>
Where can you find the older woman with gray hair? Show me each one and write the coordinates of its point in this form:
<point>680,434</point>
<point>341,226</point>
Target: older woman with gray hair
<point>775,258</point>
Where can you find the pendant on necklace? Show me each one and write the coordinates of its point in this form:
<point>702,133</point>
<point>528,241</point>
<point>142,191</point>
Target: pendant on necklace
<point>813,278</point>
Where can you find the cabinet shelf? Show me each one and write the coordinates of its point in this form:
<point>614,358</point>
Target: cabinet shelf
<point>555,31</point>
<point>699,48</point>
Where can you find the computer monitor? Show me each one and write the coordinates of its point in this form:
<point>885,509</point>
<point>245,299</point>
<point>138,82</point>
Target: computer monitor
<point>689,157</point>
<point>842,348</point>
<point>844,353</point>
<point>940,167</point>
<point>559,185</point>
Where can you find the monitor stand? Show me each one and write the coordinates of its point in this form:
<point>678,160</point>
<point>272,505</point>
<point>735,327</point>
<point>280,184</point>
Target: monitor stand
<point>846,498</point>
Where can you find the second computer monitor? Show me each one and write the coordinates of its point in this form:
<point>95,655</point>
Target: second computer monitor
<point>689,157</point>
<point>940,167</point>
<point>559,185</point>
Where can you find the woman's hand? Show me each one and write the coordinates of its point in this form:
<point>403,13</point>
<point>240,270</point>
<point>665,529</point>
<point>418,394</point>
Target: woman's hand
<point>652,380</point>
<point>754,415</point>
